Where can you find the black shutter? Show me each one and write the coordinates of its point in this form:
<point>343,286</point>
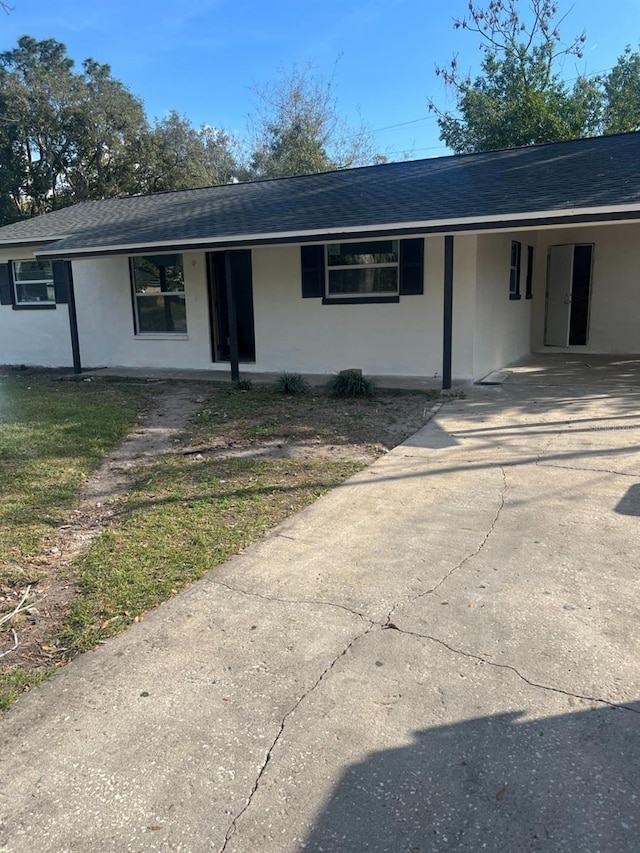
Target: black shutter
<point>6,285</point>
<point>61,274</point>
<point>411,267</point>
<point>312,262</point>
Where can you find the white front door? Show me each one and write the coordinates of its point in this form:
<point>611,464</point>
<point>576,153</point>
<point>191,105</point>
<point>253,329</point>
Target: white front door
<point>559,284</point>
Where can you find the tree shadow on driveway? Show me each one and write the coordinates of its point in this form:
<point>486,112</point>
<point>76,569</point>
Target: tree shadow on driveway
<point>629,503</point>
<point>497,783</point>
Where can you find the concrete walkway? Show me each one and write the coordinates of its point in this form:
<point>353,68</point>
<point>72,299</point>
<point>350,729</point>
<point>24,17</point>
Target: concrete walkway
<point>441,655</point>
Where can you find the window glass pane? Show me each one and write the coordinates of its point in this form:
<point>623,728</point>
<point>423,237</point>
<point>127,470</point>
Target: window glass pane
<point>158,274</point>
<point>377,252</point>
<point>381,280</point>
<point>161,313</point>
<point>40,292</point>
<point>32,270</point>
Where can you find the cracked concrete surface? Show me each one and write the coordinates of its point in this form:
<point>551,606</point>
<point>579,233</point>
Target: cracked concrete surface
<point>440,655</point>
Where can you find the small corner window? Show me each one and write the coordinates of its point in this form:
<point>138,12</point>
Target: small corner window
<point>529,285</point>
<point>33,283</point>
<point>514,276</point>
<point>363,270</point>
<point>159,298</point>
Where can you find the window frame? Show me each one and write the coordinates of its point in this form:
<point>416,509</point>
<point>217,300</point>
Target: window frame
<point>48,282</point>
<point>515,270</point>
<point>174,334</point>
<point>353,298</point>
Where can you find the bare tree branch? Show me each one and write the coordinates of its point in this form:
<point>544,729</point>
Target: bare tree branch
<point>519,96</point>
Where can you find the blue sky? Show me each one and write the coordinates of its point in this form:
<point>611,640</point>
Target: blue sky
<point>205,57</point>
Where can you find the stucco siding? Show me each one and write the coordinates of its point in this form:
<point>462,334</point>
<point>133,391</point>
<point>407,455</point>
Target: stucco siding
<point>33,336</point>
<point>465,259</point>
<point>292,333</point>
<point>502,332</point>
<point>614,317</point>
<point>105,318</point>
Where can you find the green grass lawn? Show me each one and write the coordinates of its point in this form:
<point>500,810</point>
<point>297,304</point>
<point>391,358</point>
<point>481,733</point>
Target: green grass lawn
<point>186,517</point>
<point>52,434</point>
<point>186,512</point>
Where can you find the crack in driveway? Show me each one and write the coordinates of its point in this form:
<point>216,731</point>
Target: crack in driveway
<point>233,825</point>
<point>315,602</point>
<point>465,559</point>
<point>376,626</point>
<point>513,669</point>
<point>590,470</point>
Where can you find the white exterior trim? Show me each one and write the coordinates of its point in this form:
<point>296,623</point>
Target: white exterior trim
<point>19,241</point>
<point>278,236</point>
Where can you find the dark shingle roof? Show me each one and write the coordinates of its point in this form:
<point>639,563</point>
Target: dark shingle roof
<point>568,177</point>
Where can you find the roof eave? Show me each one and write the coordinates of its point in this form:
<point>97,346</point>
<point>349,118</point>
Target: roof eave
<point>533,219</point>
<point>25,241</point>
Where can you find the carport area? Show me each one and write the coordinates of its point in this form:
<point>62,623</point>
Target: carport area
<point>441,655</point>
<point>579,371</point>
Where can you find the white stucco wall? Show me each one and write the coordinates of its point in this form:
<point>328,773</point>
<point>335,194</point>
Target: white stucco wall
<point>292,333</point>
<point>465,254</point>
<point>614,324</point>
<point>403,339</point>
<point>502,331</point>
<point>33,336</point>
<point>105,318</point>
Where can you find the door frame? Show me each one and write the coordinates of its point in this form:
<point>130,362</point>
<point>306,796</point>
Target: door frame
<point>222,306</point>
<point>570,287</point>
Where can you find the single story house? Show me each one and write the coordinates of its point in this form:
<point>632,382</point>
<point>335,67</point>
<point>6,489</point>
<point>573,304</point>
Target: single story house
<point>442,268</point>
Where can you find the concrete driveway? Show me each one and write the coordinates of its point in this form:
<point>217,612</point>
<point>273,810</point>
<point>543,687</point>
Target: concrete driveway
<point>441,655</point>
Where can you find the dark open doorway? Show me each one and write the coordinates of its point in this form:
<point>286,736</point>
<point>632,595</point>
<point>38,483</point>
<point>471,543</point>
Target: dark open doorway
<point>580,291</point>
<point>568,294</point>
<point>242,287</point>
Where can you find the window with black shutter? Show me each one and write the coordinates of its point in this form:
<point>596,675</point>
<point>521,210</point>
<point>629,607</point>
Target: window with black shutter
<point>363,271</point>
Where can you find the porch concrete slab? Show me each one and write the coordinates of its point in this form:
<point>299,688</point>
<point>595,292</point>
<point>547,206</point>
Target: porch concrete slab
<point>577,368</point>
<point>440,655</point>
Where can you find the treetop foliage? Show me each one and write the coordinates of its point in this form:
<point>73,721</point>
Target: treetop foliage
<point>521,95</point>
<point>298,129</point>
<point>69,135</point>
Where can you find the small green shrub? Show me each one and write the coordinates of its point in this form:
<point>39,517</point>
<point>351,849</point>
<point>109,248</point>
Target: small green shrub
<point>291,383</point>
<point>243,385</point>
<point>351,383</point>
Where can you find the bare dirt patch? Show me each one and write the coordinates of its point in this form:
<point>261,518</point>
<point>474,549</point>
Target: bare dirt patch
<point>25,637</point>
<point>204,424</point>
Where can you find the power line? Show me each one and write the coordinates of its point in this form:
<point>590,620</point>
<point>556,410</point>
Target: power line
<point>413,150</point>
<point>432,116</point>
<point>403,123</point>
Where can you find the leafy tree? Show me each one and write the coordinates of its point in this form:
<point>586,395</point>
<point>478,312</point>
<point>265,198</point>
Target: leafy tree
<point>178,156</point>
<point>223,156</point>
<point>298,129</point>
<point>108,122</point>
<point>68,136</point>
<point>622,94</point>
<point>65,136</point>
<point>11,167</point>
<point>36,88</point>
<point>520,97</point>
